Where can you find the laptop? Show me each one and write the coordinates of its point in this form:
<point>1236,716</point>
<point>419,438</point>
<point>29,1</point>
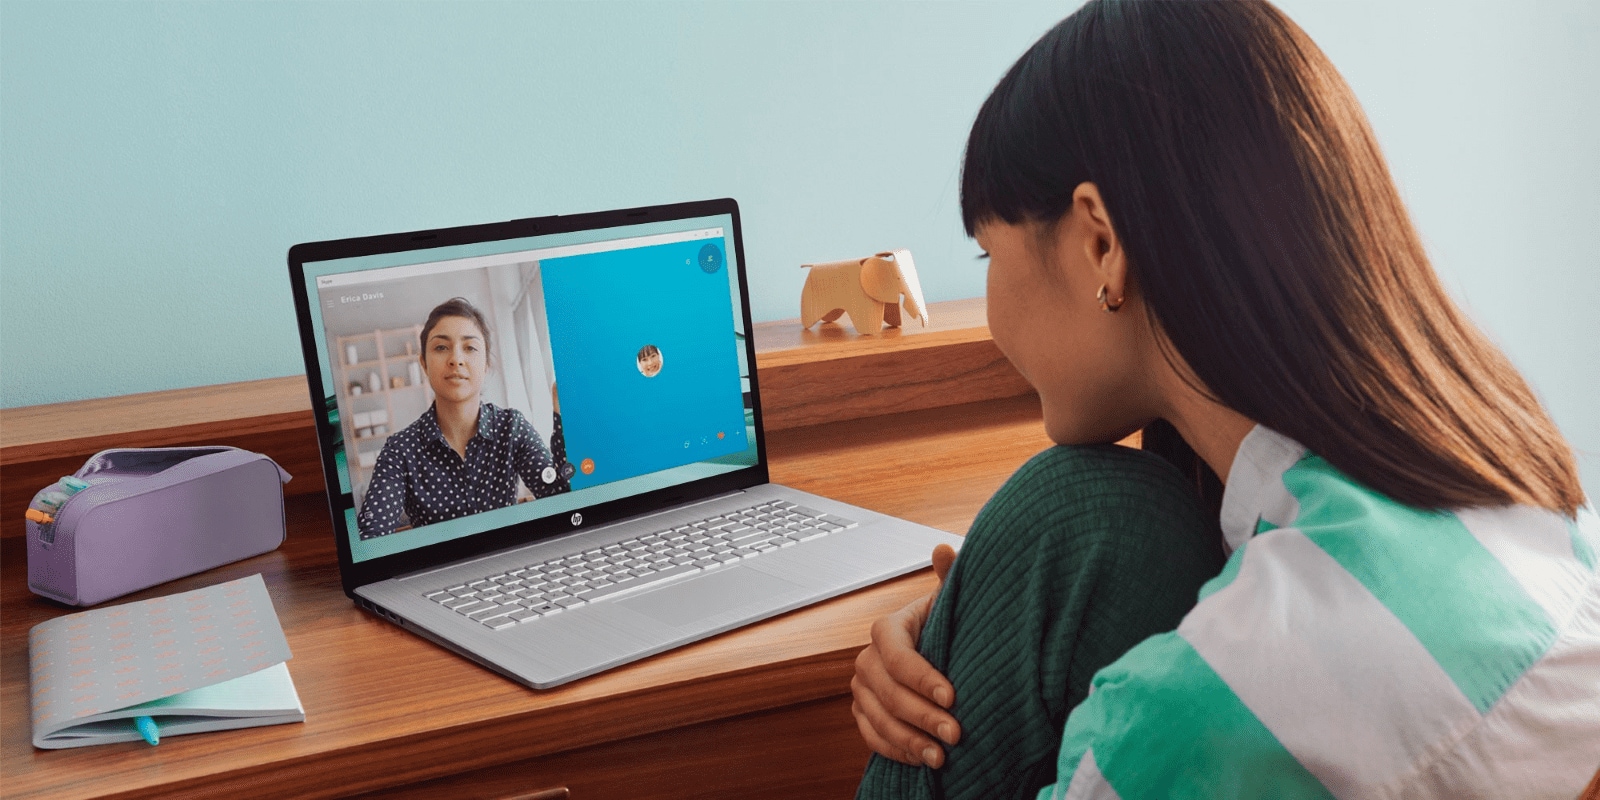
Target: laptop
<point>542,441</point>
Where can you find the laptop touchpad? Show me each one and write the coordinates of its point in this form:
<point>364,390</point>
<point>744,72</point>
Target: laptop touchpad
<point>711,595</point>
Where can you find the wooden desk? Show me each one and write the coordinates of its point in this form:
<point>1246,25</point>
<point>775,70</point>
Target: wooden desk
<point>762,711</point>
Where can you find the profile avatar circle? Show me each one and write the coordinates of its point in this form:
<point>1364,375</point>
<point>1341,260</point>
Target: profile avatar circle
<point>710,258</point>
<point>650,361</point>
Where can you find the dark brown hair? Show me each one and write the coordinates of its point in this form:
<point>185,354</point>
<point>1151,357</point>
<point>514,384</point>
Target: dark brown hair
<point>458,307</point>
<point>1273,250</point>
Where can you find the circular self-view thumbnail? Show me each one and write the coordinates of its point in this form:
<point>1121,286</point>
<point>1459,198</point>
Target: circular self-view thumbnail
<point>650,361</point>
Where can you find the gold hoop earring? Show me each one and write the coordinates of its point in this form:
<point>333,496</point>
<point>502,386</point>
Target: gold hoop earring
<point>1105,305</point>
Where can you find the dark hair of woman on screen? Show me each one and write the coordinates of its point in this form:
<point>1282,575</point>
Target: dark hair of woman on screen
<point>463,455</point>
<point>1354,558</point>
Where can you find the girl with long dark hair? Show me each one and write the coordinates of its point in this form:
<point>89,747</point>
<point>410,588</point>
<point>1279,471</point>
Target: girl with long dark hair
<point>1364,567</point>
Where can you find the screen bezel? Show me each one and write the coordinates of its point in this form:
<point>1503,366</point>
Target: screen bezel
<point>354,574</point>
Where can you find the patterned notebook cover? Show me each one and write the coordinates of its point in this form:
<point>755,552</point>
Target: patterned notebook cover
<point>93,662</point>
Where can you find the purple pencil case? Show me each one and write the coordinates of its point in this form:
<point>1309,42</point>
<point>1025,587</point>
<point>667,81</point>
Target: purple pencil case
<point>132,518</point>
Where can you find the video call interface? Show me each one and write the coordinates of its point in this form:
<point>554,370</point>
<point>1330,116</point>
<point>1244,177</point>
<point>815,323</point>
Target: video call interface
<point>596,365</point>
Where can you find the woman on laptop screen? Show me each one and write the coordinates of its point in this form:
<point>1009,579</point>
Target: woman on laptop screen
<point>463,455</point>
<point>1191,231</point>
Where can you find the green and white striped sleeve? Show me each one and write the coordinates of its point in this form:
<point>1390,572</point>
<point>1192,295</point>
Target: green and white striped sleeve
<point>1364,649</point>
<point>1161,723</point>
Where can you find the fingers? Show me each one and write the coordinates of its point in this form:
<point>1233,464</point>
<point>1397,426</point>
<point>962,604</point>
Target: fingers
<point>893,720</point>
<point>943,557</point>
<point>900,699</point>
<point>879,744</point>
<point>916,692</point>
<point>894,644</point>
<point>903,627</point>
<point>891,738</point>
<point>904,684</point>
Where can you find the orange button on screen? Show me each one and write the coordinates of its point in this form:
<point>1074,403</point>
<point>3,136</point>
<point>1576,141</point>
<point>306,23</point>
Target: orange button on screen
<point>587,466</point>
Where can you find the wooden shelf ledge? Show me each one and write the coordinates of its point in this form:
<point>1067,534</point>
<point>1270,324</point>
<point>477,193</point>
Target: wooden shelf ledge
<point>806,377</point>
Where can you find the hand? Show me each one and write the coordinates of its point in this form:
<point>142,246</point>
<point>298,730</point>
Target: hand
<point>900,699</point>
<point>555,400</point>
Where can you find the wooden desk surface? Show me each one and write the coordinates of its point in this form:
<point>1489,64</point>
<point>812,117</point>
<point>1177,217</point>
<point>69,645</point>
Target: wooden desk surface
<point>385,708</point>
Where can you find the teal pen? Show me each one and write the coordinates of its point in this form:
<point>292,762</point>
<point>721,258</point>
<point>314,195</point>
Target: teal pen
<point>147,729</point>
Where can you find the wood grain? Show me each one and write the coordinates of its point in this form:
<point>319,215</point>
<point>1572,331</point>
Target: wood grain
<point>385,708</point>
<point>268,405</point>
<point>818,756</point>
<point>806,377</point>
<point>886,383</point>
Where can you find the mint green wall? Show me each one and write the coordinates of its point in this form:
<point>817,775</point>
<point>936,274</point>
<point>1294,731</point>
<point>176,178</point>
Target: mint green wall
<point>158,158</point>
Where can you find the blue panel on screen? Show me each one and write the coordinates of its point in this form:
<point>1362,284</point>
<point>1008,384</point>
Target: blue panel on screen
<point>603,308</point>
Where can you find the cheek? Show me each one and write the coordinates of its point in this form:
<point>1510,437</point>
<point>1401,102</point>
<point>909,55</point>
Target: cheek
<point>1002,312</point>
<point>1041,341</point>
<point>1020,324</point>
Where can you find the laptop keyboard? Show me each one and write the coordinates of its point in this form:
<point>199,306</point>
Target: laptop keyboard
<point>504,599</point>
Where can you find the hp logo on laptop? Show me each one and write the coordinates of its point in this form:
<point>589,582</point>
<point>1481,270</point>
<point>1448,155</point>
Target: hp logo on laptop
<point>577,519</point>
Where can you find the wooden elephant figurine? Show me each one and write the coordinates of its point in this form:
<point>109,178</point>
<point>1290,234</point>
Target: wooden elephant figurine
<point>868,289</point>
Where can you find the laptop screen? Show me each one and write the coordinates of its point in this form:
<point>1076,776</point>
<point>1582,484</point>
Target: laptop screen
<point>477,386</point>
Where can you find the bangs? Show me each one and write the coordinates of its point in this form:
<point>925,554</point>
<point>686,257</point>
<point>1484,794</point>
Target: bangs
<point>1017,166</point>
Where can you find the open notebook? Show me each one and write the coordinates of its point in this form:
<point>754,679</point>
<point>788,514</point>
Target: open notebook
<point>211,659</point>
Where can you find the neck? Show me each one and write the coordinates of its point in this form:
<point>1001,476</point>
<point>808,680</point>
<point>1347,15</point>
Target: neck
<point>458,422</point>
<point>1212,429</point>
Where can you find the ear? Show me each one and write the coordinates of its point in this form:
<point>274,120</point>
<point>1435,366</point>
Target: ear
<point>880,280</point>
<point>1091,227</point>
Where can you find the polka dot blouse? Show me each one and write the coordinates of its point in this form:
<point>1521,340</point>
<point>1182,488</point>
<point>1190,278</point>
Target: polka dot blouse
<point>419,475</point>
